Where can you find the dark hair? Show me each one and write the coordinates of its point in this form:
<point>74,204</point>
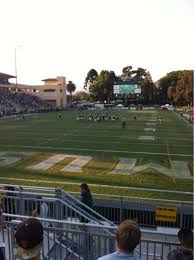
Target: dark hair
<point>84,186</point>
<point>185,236</point>
<point>29,233</point>
<point>128,236</point>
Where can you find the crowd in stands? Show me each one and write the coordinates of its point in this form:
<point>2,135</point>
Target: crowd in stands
<point>12,102</point>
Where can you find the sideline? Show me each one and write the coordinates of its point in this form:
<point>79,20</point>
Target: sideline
<point>91,150</point>
<point>102,185</point>
<point>47,140</point>
<point>188,123</point>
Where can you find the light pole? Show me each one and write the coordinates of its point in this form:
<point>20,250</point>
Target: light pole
<point>16,76</point>
<point>16,71</point>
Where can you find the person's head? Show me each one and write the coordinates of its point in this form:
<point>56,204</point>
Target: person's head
<point>84,187</point>
<point>185,236</point>
<point>29,238</point>
<point>128,236</point>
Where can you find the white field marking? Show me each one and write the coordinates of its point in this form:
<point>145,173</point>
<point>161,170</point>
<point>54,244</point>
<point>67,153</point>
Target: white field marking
<point>150,129</point>
<point>124,166</point>
<point>103,136</point>
<point>154,124</point>
<point>162,129</point>
<point>146,137</point>
<point>152,120</point>
<point>27,153</point>
<point>127,167</point>
<point>31,138</point>
<point>181,169</point>
<point>48,163</point>
<point>45,142</point>
<point>112,142</point>
<point>91,150</point>
<point>183,119</point>
<point>6,160</point>
<point>126,137</point>
<point>115,142</point>
<point>77,164</point>
<point>103,185</point>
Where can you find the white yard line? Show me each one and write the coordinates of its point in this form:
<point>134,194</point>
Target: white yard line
<point>91,150</point>
<point>107,142</point>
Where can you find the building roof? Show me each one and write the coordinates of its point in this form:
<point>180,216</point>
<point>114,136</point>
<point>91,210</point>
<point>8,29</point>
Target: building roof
<point>6,76</point>
<point>51,79</point>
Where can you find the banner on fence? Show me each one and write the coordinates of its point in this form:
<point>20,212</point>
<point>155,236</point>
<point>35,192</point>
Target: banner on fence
<point>165,213</point>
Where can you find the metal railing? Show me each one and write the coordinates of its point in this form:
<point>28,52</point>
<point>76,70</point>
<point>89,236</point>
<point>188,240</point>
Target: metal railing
<point>61,206</point>
<point>107,208</point>
<point>73,240</point>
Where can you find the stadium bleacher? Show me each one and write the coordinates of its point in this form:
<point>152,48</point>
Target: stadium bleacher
<point>12,102</point>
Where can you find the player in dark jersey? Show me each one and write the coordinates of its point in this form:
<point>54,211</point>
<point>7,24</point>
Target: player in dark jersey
<point>124,122</point>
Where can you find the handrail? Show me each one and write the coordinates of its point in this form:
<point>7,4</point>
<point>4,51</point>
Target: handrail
<point>113,228</point>
<point>140,198</point>
<point>88,208</point>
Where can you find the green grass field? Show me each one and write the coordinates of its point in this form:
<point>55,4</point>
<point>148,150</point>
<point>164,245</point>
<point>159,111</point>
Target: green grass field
<point>165,161</point>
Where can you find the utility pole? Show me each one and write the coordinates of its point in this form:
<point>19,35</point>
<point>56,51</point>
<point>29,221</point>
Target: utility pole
<point>16,76</point>
<point>16,70</point>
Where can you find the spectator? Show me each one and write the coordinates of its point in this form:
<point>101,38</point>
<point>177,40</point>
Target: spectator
<point>29,238</point>
<point>86,198</point>
<point>41,210</point>
<point>185,236</point>
<point>11,101</point>
<point>128,236</point>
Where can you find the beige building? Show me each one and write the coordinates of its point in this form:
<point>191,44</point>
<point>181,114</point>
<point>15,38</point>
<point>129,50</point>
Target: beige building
<point>53,91</point>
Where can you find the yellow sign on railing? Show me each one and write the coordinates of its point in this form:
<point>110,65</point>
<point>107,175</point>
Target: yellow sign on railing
<point>165,213</point>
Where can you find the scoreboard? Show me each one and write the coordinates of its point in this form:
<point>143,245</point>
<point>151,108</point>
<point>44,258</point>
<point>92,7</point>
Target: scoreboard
<point>127,89</point>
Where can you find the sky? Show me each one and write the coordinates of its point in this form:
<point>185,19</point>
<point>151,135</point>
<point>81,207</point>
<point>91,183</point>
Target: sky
<point>70,37</point>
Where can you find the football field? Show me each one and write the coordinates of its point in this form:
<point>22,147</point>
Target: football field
<point>45,150</point>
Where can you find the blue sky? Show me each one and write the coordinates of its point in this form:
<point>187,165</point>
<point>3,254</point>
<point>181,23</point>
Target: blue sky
<point>69,37</point>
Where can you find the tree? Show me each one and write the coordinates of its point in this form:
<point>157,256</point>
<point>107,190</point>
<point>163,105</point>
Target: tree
<point>184,89</point>
<point>90,78</point>
<point>81,95</point>
<point>102,88</point>
<point>126,72</point>
<point>171,93</point>
<point>177,86</point>
<point>189,88</point>
<point>71,88</point>
<point>147,89</point>
<point>140,74</point>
